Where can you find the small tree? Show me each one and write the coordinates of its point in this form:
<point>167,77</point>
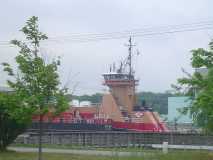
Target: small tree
<point>37,82</point>
<point>13,118</point>
<point>199,86</point>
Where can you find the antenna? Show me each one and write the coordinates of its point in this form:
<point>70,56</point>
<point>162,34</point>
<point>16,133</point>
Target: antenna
<point>113,67</point>
<point>120,69</point>
<point>129,59</point>
<point>110,69</point>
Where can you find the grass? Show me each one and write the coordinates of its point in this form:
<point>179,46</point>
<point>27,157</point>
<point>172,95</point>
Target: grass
<point>59,146</point>
<point>173,155</point>
<point>55,146</point>
<point>46,156</point>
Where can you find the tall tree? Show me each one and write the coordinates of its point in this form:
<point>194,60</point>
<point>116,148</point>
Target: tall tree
<point>36,81</point>
<point>199,86</point>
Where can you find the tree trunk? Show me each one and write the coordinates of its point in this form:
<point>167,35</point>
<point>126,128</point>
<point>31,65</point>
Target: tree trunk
<point>40,137</point>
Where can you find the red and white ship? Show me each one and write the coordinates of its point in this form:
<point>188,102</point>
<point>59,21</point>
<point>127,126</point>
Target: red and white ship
<point>118,109</point>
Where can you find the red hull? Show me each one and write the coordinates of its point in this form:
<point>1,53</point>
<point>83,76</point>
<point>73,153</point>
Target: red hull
<point>141,127</point>
<point>68,117</point>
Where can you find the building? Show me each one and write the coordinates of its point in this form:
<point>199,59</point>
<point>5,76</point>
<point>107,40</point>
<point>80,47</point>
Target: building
<point>174,105</point>
<point>5,89</point>
<point>202,71</point>
<point>177,121</point>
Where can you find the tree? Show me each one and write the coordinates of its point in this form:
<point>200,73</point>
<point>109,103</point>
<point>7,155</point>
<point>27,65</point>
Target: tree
<point>36,82</point>
<point>94,98</point>
<point>199,86</point>
<point>13,118</point>
<point>158,101</point>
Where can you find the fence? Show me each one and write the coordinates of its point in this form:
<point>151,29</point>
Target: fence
<point>116,139</point>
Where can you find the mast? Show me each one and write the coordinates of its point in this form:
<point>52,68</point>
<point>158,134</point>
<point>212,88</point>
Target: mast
<point>122,82</point>
<point>130,45</point>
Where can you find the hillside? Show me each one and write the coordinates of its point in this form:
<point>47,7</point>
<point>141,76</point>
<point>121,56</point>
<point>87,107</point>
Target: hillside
<point>158,101</point>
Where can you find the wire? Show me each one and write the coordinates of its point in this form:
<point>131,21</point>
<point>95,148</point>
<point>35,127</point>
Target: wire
<point>136,31</point>
<point>143,32</point>
<point>141,29</point>
<point>136,35</point>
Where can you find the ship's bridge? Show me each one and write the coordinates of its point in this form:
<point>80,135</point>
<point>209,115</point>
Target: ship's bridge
<point>115,79</point>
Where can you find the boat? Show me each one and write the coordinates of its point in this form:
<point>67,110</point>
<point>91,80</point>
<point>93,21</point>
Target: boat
<point>118,109</point>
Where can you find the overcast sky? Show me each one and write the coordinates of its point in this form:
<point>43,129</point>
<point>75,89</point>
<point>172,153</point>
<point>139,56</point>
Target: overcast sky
<point>161,58</point>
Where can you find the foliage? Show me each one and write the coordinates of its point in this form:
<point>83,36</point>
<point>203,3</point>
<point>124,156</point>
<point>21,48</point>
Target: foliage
<point>13,118</point>
<point>199,86</point>
<point>36,81</point>
<point>158,101</point>
<point>153,155</point>
<point>94,98</point>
